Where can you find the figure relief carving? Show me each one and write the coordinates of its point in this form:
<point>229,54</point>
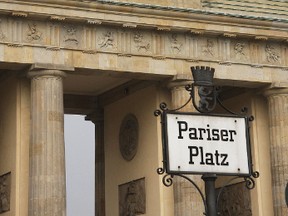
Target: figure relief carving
<point>239,50</point>
<point>132,198</point>
<point>176,45</point>
<point>70,35</point>
<point>235,200</point>
<point>33,33</point>
<point>208,49</point>
<point>271,54</point>
<point>5,186</point>
<point>107,40</point>
<point>140,42</point>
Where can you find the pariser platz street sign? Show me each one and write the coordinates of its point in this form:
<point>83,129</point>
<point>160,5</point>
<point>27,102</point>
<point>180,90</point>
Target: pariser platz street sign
<point>201,144</point>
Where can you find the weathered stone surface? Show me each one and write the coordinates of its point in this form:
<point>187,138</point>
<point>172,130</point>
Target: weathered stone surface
<point>278,116</point>
<point>47,189</point>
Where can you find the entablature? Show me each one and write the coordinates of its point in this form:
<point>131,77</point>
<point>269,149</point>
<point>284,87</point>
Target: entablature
<point>95,40</point>
<point>151,16</point>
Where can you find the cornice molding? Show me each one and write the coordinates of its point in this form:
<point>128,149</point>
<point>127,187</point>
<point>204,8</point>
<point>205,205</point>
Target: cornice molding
<point>154,7</point>
<point>180,19</point>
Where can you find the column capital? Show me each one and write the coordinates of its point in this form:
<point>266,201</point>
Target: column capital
<point>47,66</point>
<point>43,69</point>
<point>45,72</point>
<point>275,91</point>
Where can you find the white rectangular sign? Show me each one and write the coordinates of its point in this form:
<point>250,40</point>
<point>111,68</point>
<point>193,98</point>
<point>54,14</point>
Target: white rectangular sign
<point>207,144</point>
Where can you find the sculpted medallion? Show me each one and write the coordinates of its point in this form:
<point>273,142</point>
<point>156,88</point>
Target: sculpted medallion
<point>128,137</point>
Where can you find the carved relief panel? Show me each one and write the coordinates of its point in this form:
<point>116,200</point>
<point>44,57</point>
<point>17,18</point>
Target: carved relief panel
<point>235,200</point>
<point>142,42</point>
<point>208,48</point>
<point>270,53</point>
<point>5,188</point>
<point>34,32</point>
<point>239,50</point>
<point>132,198</point>
<point>70,36</point>
<point>107,39</point>
<point>175,44</point>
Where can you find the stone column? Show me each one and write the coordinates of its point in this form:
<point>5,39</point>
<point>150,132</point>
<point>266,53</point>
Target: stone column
<point>278,117</point>
<point>98,119</point>
<point>47,186</point>
<point>187,200</point>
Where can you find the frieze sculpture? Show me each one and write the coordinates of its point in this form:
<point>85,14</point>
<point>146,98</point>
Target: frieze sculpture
<point>70,35</point>
<point>107,40</point>
<point>11,34</point>
<point>209,47</point>
<point>33,34</point>
<point>239,50</point>
<point>271,54</point>
<point>176,45</point>
<point>5,192</point>
<point>140,42</point>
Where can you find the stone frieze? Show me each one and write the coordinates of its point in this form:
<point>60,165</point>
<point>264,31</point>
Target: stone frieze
<point>96,37</point>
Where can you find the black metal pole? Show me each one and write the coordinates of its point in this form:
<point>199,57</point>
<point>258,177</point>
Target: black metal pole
<point>210,193</point>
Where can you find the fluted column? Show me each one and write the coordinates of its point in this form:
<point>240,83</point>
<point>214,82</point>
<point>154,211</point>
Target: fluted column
<point>187,200</point>
<point>98,119</point>
<point>278,117</point>
<point>47,186</point>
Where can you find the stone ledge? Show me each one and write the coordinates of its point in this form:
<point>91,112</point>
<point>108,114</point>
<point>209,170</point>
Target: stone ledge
<point>153,15</point>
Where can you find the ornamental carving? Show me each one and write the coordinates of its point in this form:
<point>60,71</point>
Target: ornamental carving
<point>107,40</point>
<point>33,34</point>
<point>176,45</point>
<point>271,54</point>
<point>132,198</point>
<point>5,188</point>
<point>140,42</point>
<point>56,35</point>
<point>235,200</point>
<point>239,50</point>
<point>70,35</point>
<point>128,137</point>
<point>208,48</point>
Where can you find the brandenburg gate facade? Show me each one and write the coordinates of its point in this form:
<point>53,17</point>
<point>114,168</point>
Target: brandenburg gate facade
<point>115,62</point>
